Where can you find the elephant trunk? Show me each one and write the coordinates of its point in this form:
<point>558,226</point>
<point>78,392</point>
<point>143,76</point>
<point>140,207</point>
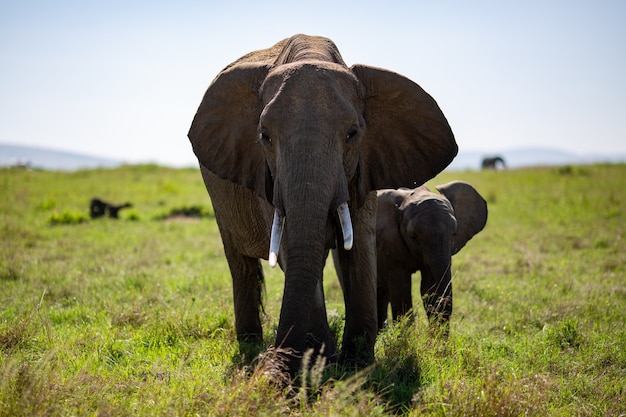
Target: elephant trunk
<point>436,284</point>
<point>343,213</point>
<point>308,199</point>
<point>304,257</point>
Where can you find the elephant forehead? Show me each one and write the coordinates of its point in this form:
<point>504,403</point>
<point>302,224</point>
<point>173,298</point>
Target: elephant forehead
<point>429,203</point>
<point>432,215</point>
<point>310,83</point>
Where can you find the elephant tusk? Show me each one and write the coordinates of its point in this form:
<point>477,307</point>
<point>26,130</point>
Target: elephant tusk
<point>346,225</point>
<point>277,233</point>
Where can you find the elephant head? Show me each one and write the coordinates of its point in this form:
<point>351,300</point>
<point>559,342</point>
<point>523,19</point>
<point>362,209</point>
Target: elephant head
<point>418,230</point>
<point>313,137</point>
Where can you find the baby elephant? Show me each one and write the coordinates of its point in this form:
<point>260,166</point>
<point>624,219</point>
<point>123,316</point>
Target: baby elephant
<point>419,230</point>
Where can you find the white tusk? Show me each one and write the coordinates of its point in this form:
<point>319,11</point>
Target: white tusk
<point>277,233</point>
<point>346,225</point>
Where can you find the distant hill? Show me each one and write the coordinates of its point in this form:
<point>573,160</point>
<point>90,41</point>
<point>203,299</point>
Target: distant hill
<point>524,157</point>
<point>49,159</point>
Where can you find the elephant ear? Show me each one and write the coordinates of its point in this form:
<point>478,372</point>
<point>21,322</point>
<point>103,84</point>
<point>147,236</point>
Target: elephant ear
<point>408,139</point>
<point>223,133</point>
<point>470,210</point>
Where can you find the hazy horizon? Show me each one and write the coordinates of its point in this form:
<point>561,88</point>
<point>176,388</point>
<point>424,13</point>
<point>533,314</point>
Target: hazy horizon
<point>57,159</point>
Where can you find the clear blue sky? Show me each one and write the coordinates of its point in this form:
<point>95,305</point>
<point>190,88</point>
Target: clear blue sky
<point>123,79</point>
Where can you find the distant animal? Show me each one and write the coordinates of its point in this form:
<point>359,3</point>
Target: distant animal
<point>292,133</point>
<point>419,230</point>
<point>100,208</point>
<point>493,162</point>
<point>22,164</point>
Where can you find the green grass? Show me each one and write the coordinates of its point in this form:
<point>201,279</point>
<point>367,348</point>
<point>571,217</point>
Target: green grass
<point>134,316</point>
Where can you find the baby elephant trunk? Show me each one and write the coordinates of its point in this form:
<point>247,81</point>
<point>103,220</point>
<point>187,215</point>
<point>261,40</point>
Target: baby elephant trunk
<point>436,287</point>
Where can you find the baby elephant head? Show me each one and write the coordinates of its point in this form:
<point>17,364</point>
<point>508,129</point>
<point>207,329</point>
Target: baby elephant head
<point>419,230</point>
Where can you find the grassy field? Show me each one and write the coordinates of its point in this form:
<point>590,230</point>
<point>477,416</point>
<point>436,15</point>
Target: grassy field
<point>134,316</point>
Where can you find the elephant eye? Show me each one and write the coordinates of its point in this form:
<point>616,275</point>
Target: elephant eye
<point>264,138</point>
<point>352,133</point>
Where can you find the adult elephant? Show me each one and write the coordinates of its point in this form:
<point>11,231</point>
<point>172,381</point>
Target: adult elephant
<point>419,230</point>
<point>493,163</point>
<point>290,140</point>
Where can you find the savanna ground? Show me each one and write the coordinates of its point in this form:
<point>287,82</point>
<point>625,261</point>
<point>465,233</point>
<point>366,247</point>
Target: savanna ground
<point>134,316</point>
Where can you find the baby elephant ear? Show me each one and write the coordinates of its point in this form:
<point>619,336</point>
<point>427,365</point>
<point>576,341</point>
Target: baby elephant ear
<point>407,139</point>
<point>470,210</point>
<point>224,130</point>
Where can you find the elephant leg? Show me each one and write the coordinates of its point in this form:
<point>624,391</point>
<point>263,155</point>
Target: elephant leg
<point>400,294</point>
<point>382,305</point>
<point>358,267</point>
<point>244,223</point>
<point>247,276</point>
<point>386,281</point>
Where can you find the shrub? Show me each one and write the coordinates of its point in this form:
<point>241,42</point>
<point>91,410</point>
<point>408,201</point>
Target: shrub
<point>67,217</point>
<point>194,211</point>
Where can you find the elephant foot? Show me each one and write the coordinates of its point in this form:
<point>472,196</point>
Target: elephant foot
<point>440,329</point>
<point>280,365</point>
<point>249,352</point>
<point>353,363</point>
<point>251,337</point>
<point>358,355</point>
<point>289,364</point>
<point>439,325</point>
<point>317,354</point>
<point>325,347</point>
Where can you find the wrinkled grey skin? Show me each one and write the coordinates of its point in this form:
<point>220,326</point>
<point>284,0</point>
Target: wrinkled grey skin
<point>419,230</point>
<point>292,128</point>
